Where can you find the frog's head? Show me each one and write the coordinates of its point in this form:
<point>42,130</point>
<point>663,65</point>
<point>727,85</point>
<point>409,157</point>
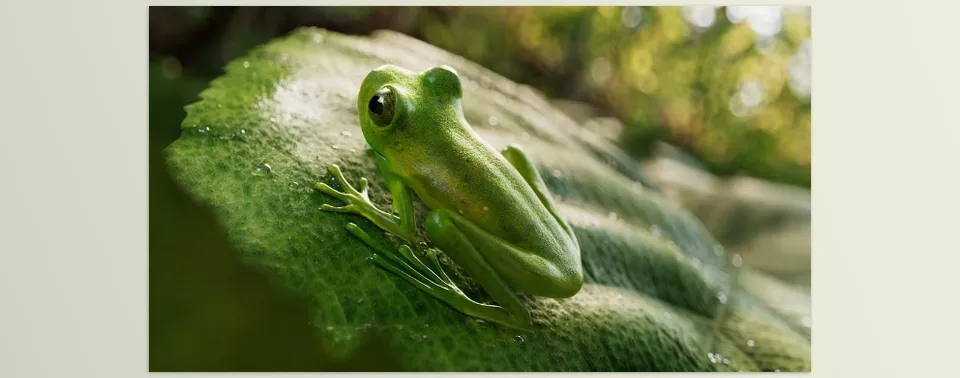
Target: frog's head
<point>397,106</point>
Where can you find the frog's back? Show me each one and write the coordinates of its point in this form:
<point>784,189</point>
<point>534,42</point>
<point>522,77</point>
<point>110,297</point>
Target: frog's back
<point>463,174</point>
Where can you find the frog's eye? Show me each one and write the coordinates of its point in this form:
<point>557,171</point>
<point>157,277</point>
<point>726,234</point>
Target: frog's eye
<point>381,106</point>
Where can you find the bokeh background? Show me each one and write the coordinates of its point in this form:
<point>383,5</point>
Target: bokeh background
<point>713,101</point>
<point>730,85</point>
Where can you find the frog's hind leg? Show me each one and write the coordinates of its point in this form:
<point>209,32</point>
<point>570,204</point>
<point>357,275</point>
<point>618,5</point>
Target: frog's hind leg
<point>406,264</point>
<point>457,237</point>
<point>432,280</point>
<point>519,160</point>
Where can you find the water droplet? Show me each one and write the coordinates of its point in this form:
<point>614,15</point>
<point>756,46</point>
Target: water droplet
<point>751,343</point>
<point>479,321</point>
<point>556,173</point>
<point>655,230</point>
<point>203,130</point>
<point>714,358</point>
<point>492,121</point>
<point>423,338</point>
<point>273,120</point>
<point>262,169</point>
<point>346,134</point>
<point>219,106</point>
<point>353,150</point>
<point>425,325</point>
<point>423,245</point>
<point>722,297</point>
<point>246,64</point>
<point>518,339</point>
<point>335,147</point>
<point>369,257</point>
<point>294,185</point>
<point>737,260</point>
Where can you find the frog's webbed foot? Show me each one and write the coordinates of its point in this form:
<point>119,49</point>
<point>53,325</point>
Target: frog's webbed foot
<point>426,274</point>
<point>357,201</point>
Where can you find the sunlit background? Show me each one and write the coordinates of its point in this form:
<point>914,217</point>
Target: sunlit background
<point>729,85</point>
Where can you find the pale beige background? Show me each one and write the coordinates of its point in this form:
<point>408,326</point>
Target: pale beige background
<point>73,110</point>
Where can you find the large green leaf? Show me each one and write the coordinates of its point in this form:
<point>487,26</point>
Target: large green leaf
<point>661,294</point>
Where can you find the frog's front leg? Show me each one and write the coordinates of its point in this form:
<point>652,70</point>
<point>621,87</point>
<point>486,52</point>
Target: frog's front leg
<point>358,202</point>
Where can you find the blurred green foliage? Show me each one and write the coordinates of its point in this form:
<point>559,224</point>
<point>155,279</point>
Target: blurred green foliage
<point>731,85</point>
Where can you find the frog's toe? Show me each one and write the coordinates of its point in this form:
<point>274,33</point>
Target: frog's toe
<point>339,209</point>
<point>336,172</point>
<point>363,185</point>
<point>326,189</point>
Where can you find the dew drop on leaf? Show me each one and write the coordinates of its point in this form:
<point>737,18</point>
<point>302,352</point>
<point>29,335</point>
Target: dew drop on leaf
<point>518,339</point>
<point>722,297</point>
<point>737,260</point>
<point>262,169</point>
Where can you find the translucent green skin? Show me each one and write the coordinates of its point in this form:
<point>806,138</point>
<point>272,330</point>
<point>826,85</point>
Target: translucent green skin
<point>490,211</point>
